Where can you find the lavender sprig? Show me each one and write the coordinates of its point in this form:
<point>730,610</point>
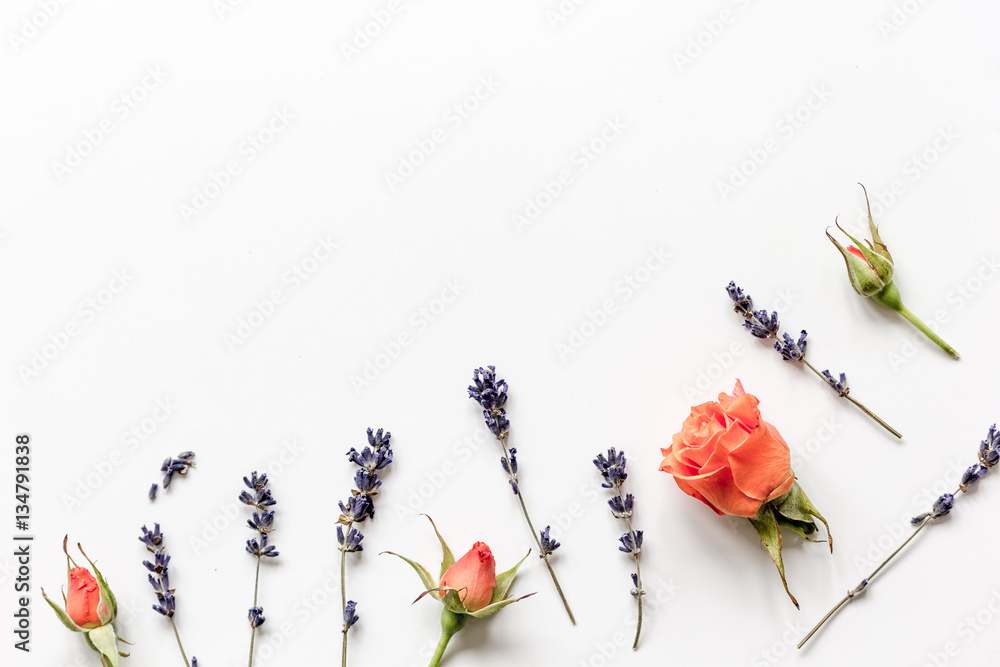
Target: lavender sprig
<point>762,325</point>
<point>261,521</point>
<point>491,394</point>
<point>375,456</point>
<point>612,469</point>
<point>159,579</point>
<point>989,455</point>
<point>171,466</point>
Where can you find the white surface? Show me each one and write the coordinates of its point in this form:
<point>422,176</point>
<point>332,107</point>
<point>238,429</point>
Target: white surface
<point>884,99</point>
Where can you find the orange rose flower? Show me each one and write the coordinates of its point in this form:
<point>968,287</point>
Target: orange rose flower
<point>728,457</point>
<point>474,576</point>
<point>84,604</point>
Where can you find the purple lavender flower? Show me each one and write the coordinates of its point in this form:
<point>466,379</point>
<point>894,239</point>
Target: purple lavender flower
<point>611,466</point>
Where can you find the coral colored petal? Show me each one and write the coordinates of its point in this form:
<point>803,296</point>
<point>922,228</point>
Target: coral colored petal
<point>762,464</point>
<point>857,253</point>
<point>688,489</point>
<point>744,409</point>
<point>721,491</point>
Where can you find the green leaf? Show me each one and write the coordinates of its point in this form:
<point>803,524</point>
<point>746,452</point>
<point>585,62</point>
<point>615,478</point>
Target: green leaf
<point>796,506</point>
<point>447,558</point>
<point>493,608</point>
<point>63,616</point>
<point>767,528</point>
<point>103,640</point>
<point>504,580</point>
<point>421,571</point>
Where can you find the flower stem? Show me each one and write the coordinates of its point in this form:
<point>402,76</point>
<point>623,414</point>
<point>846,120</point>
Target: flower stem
<point>858,403</point>
<point>638,582</point>
<point>451,623</point>
<point>343,603</point>
<point>253,630</point>
<point>179,644</point>
<point>924,329</point>
<point>531,527</point>
<point>864,582</point>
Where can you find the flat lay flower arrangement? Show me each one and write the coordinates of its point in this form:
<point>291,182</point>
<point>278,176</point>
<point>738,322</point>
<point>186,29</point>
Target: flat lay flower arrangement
<point>724,454</point>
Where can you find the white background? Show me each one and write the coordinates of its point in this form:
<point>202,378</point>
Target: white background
<point>902,97</point>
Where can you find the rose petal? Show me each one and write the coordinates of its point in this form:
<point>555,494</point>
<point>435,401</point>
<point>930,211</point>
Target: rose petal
<point>761,464</point>
<point>720,491</point>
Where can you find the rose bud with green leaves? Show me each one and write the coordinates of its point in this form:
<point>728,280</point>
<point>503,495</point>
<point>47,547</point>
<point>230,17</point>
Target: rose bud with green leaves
<point>729,458</point>
<point>870,269</point>
<point>89,607</point>
<point>469,586</point>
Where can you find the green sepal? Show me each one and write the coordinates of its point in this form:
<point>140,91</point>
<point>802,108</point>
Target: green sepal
<point>103,641</point>
<point>879,247</point>
<point>425,576</point>
<point>766,526</point>
<point>494,607</point>
<point>103,585</point>
<point>504,580</point>
<point>883,267</point>
<point>453,602</point>
<point>63,616</point>
<point>795,510</point>
<point>447,558</point>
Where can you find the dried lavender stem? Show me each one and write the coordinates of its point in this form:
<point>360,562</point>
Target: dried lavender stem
<point>179,644</point>
<point>864,409</point>
<point>531,527</point>
<point>864,582</point>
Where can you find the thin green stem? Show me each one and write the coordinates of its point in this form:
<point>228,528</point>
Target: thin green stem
<point>866,581</point>
<point>846,394</point>
<point>638,580</point>
<point>451,624</point>
<point>439,651</point>
<point>924,329</point>
<point>179,644</point>
<point>343,603</point>
<point>253,630</point>
<point>534,534</point>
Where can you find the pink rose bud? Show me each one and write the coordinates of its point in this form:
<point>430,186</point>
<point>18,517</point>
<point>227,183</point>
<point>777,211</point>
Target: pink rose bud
<point>84,602</point>
<point>474,576</point>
